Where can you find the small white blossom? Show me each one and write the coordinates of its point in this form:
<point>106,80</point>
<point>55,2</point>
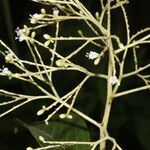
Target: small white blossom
<point>113,80</point>
<point>5,71</point>
<point>92,55</point>
<point>34,18</point>
<point>55,11</point>
<point>20,35</point>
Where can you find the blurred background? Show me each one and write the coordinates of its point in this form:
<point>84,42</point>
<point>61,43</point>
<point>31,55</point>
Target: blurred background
<point>130,116</point>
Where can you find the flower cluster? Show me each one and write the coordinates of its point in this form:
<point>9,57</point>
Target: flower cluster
<point>22,33</point>
<point>34,18</point>
<point>5,71</point>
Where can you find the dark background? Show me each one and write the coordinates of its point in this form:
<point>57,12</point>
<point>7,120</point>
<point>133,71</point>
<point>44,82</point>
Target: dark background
<point>130,116</point>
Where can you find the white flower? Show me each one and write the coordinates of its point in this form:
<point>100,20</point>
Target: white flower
<point>113,80</point>
<point>34,18</point>
<point>20,34</point>
<point>92,55</point>
<point>55,11</point>
<point>5,71</point>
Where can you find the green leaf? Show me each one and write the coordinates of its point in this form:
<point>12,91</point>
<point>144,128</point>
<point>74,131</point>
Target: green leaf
<point>143,130</point>
<point>61,130</point>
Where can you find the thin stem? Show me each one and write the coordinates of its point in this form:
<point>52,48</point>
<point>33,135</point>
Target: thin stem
<point>131,91</point>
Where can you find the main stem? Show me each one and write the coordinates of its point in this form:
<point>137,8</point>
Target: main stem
<point>111,72</point>
<point>104,123</point>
